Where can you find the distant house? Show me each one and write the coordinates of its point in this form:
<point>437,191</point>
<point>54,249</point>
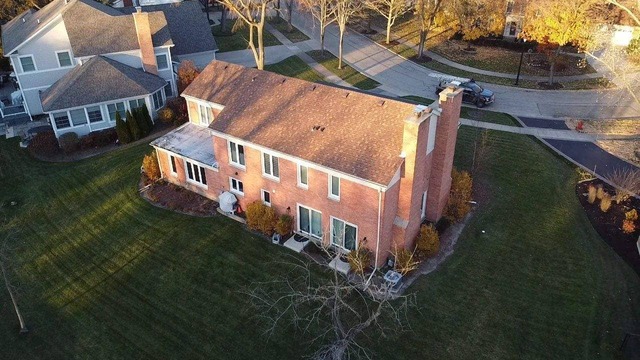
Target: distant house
<point>80,61</point>
<point>351,168</point>
<point>514,18</point>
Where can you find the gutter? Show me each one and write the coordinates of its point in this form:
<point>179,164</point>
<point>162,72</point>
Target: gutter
<point>366,284</point>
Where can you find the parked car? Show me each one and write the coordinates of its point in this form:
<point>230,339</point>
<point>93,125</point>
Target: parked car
<point>472,92</point>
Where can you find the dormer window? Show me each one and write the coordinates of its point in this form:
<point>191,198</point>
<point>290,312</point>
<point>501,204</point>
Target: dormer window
<point>205,115</point>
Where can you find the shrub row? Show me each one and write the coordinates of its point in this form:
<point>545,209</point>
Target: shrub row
<point>264,219</point>
<point>137,125</point>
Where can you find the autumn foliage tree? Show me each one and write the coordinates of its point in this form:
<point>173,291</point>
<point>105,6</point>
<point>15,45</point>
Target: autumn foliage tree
<point>478,18</point>
<point>187,72</point>
<point>430,14</point>
<point>558,23</point>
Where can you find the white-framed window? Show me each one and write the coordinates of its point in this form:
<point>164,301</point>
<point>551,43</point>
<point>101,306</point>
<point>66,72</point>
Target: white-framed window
<point>270,166</point>
<point>27,63</point>
<point>116,108</point>
<point>137,103</point>
<point>158,100</point>
<point>236,154</point>
<point>303,176</point>
<point>266,197</point>
<point>94,114</point>
<point>343,234</point>
<point>168,90</point>
<point>163,61</point>
<point>334,187</point>
<point>78,117</point>
<point>310,221</point>
<point>174,165</point>
<point>236,186</point>
<point>204,113</point>
<point>431,140</point>
<point>423,205</point>
<point>64,58</point>
<point>61,120</point>
<point>196,173</point>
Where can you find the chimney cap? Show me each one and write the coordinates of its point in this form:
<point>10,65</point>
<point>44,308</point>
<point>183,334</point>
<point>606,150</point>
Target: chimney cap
<point>139,9</point>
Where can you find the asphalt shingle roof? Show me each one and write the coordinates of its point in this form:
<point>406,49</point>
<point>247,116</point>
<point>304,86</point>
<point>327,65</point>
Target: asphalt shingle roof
<point>360,134</point>
<point>98,80</point>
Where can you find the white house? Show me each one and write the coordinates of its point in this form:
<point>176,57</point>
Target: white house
<point>80,61</point>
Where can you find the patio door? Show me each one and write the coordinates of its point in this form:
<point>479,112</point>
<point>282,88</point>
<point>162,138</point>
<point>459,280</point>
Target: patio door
<point>310,221</point>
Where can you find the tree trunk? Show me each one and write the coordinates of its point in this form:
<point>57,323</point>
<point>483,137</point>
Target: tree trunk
<point>223,19</point>
<point>23,326</point>
<point>322,28</point>
<point>206,9</point>
<point>423,39</point>
<point>260,59</point>
<point>290,16</point>
<point>342,29</point>
<point>552,68</point>
<point>278,10</point>
<point>389,29</point>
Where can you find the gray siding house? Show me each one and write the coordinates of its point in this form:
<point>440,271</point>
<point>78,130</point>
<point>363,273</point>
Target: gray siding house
<point>80,61</point>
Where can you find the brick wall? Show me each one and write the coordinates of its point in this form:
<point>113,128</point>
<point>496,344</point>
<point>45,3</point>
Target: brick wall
<point>143,30</point>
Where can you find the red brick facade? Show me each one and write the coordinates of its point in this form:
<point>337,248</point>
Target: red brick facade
<point>387,216</point>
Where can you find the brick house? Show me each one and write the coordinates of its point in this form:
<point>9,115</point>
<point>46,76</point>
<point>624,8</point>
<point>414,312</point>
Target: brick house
<point>347,165</point>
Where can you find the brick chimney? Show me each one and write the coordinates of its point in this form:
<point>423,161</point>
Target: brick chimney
<point>450,102</point>
<point>143,29</point>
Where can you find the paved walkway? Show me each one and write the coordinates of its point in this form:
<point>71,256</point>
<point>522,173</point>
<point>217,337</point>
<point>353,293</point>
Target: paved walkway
<point>453,64</point>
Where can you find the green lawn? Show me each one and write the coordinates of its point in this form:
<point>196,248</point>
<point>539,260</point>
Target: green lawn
<point>240,39</point>
<point>347,73</point>
<point>472,112</point>
<point>294,66</point>
<point>293,36</point>
<point>102,274</point>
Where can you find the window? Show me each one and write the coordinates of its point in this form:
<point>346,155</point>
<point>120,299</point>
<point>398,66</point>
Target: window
<point>27,63</point>
<point>205,114</point>
<point>168,90</point>
<point>236,154</point>
<point>158,101</point>
<point>270,166</point>
<point>266,197</point>
<point>509,6</point>
<point>78,117</point>
<point>236,186</point>
<point>431,140</point>
<point>423,205</point>
<point>334,187</point>
<point>62,120</point>
<point>196,173</point>
<point>310,221</point>
<point>94,114</point>
<point>138,103</point>
<point>303,176</point>
<point>174,168</point>
<point>343,234</point>
<point>162,61</point>
<point>64,58</point>
<point>115,108</point>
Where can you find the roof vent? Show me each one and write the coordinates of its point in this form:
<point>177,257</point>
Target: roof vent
<point>313,88</point>
<point>38,21</point>
<point>322,129</point>
<point>253,78</point>
<point>226,66</point>
<point>381,103</point>
<point>347,95</point>
<point>23,20</point>
<point>283,80</point>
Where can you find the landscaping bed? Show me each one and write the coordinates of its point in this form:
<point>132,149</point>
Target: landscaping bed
<point>609,224</point>
<point>173,197</point>
<point>347,73</point>
<point>294,36</point>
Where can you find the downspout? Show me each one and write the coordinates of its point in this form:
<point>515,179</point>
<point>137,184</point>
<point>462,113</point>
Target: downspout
<point>366,284</point>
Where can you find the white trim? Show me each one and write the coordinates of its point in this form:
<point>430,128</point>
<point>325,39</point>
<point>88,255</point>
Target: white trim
<point>188,162</point>
<point>86,111</point>
<point>298,205</point>
<point>300,184</point>
<point>231,189</point>
<point>331,195</point>
<point>423,205</point>
<point>199,101</point>
<point>166,58</point>
<point>70,59</point>
<point>125,100</point>
<point>33,59</point>
<point>37,88</point>
<point>307,163</point>
<point>207,111</point>
<point>172,162</point>
<point>431,136</point>
<point>262,192</point>
<point>264,173</point>
<point>242,167</point>
<point>24,98</point>
<point>331,235</point>
<point>178,156</point>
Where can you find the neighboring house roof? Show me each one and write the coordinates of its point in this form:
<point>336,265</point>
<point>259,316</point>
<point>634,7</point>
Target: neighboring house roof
<point>95,28</point>
<point>15,32</point>
<point>360,134</point>
<point>98,80</point>
<point>188,25</point>
<point>190,140</point>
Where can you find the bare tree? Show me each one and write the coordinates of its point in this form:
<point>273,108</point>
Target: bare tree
<point>626,182</point>
<point>344,311</point>
<point>324,12</point>
<point>288,5</point>
<point>345,10</point>
<point>389,9</point>
<point>252,13</point>
<point>428,12</point>
<point>4,265</point>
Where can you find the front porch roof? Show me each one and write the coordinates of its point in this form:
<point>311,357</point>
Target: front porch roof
<point>98,80</point>
<point>191,141</point>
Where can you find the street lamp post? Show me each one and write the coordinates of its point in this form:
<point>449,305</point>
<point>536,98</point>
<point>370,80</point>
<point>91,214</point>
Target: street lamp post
<point>520,65</point>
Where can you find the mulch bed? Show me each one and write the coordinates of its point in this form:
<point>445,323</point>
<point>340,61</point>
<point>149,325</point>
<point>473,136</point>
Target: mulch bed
<point>609,225</point>
<point>172,197</point>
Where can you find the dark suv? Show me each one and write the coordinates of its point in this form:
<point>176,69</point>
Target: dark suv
<point>473,93</point>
